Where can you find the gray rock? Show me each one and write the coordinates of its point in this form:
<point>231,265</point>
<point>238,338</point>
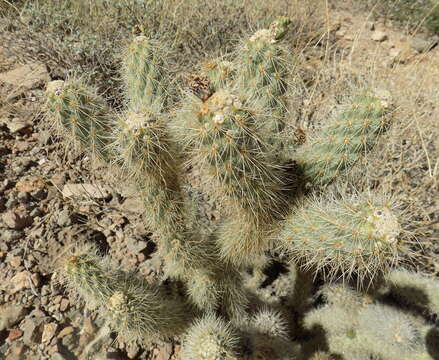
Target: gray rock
<point>421,44</point>
<point>64,218</point>
<point>24,77</point>
<point>32,330</point>
<point>85,191</point>
<point>379,36</point>
<point>135,245</point>
<point>15,221</point>
<point>17,125</point>
<point>10,315</point>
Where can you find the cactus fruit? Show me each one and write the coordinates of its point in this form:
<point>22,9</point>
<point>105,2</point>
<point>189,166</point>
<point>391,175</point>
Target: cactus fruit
<point>343,237</point>
<point>211,338</point>
<point>78,114</point>
<point>136,310</point>
<point>353,132</point>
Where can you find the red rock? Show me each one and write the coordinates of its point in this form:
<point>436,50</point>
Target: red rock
<point>14,334</point>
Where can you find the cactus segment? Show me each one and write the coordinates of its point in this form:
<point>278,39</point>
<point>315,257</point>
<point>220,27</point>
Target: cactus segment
<point>225,145</point>
<point>144,75</point>
<point>346,138</point>
<point>414,289</point>
<point>136,310</point>
<point>145,147</point>
<point>355,236</point>
<point>78,114</point>
<point>219,72</point>
<point>262,71</point>
<point>211,338</point>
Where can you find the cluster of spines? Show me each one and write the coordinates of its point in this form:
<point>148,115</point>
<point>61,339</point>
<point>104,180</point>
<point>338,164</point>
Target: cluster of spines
<point>343,237</point>
<point>144,74</point>
<point>352,132</point>
<point>224,144</point>
<point>268,336</point>
<point>79,114</point>
<point>135,309</point>
<point>211,338</point>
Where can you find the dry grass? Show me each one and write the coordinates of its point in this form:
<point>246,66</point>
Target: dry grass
<point>87,36</point>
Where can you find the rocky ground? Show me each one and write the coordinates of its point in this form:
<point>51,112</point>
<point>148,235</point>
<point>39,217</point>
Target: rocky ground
<point>51,200</point>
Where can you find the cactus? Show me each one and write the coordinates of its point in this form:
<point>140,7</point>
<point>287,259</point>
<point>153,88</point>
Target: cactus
<point>269,338</point>
<point>296,241</point>
<point>414,289</point>
<point>211,338</point>
<point>352,132</point>
<point>262,70</point>
<point>78,114</point>
<point>135,310</point>
<point>144,75</point>
<point>349,236</point>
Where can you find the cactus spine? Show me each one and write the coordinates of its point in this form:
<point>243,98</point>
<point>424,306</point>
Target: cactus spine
<point>136,310</point>
<point>349,236</point>
<point>80,115</point>
<point>349,135</point>
<point>233,134</point>
<point>210,338</point>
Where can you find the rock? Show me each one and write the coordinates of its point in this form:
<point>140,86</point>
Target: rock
<point>341,32</point>
<point>88,326</point>
<point>15,261</point>
<point>134,205</point>
<point>370,25</point>
<point>14,334</point>
<point>49,331</point>
<point>14,221</point>
<point>30,183</point>
<point>58,356</point>
<point>395,52</point>
<point>32,330</point>
<point>19,282</point>
<point>10,315</point>
<point>64,304</point>
<point>379,36</point>
<point>165,352</point>
<point>421,44</point>
<point>17,350</point>
<point>85,191</point>
<point>24,77</point>
<point>64,218</point>
<point>135,245</point>
<point>16,125</point>
<point>36,279</point>
<point>66,331</point>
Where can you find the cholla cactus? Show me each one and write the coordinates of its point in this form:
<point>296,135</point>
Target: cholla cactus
<point>352,132</point>
<point>136,310</point>
<point>232,131</point>
<point>349,236</point>
<point>211,338</point>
